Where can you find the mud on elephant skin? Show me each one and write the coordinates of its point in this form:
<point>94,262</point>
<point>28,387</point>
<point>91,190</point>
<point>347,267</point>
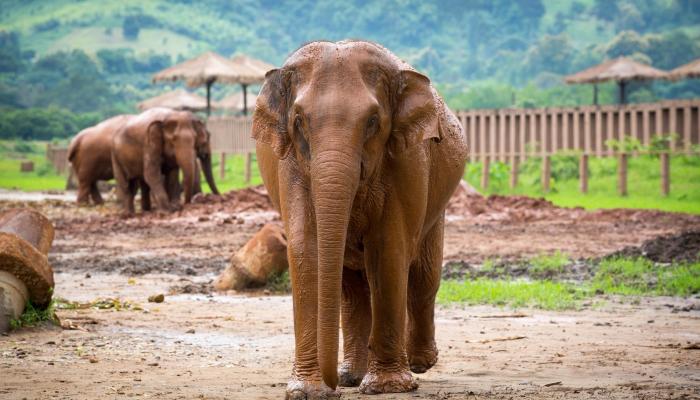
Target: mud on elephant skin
<point>149,152</point>
<point>90,154</point>
<point>360,155</point>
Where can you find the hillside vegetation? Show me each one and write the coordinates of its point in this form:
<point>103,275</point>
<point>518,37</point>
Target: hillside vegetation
<point>96,58</point>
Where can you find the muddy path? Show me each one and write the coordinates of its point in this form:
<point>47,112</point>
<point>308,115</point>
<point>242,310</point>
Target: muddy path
<point>198,344</point>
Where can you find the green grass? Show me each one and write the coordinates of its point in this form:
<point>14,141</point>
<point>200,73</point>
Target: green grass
<point>44,177</point>
<point>512,293</point>
<point>619,276</point>
<point>33,316</point>
<point>544,264</point>
<point>644,186</point>
<point>234,177</point>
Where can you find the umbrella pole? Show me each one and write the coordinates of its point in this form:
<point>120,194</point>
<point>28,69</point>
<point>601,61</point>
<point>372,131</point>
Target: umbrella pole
<point>209,83</point>
<point>245,98</point>
<point>595,94</point>
<point>621,84</point>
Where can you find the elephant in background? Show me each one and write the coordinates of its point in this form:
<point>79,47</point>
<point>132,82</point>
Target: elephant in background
<point>90,154</point>
<point>149,153</point>
<point>360,155</point>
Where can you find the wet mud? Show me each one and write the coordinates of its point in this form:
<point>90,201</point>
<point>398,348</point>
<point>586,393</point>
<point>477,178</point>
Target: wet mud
<point>201,344</point>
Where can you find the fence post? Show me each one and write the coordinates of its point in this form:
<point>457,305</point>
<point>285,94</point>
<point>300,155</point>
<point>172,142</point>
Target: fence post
<point>546,172</point>
<point>513,172</point>
<point>248,162</point>
<point>665,174</point>
<point>622,174</point>
<point>583,173</point>
<point>222,166</point>
<point>485,174</point>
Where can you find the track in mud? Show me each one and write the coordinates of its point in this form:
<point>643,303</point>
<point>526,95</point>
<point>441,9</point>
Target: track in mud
<point>241,345</point>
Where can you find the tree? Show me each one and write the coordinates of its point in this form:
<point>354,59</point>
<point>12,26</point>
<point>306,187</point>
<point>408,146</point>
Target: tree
<point>10,53</point>
<point>626,43</point>
<point>131,27</point>
<point>552,54</point>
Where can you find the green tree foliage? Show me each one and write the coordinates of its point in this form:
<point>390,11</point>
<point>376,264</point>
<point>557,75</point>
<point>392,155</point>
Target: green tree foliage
<point>43,123</point>
<point>10,53</point>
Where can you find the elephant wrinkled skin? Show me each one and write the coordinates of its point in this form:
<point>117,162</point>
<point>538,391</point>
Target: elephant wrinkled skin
<point>149,152</point>
<point>90,154</point>
<point>360,155</point>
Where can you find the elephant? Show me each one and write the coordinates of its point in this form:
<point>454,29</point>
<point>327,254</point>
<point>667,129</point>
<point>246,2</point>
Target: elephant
<point>149,152</point>
<point>90,154</point>
<point>360,155</point>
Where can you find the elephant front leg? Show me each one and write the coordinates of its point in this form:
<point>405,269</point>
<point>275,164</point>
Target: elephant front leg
<point>356,314</point>
<point>145,196</point>
<point>154,180</point>
<point>387,273</point>
<point>423,284</point>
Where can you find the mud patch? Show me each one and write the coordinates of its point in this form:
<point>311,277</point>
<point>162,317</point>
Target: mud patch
<point>682,247</point>
<point>139,265</point>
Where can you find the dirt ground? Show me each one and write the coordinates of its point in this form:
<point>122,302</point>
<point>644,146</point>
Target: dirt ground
<point>199,344</point>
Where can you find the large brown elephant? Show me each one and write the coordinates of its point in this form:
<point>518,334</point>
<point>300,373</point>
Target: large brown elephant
<point>360,155</point>
<point>150,151</point>
<point>90,154</point>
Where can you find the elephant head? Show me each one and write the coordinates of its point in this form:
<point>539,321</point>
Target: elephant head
<point>344,111</point>
<point>177,139</point>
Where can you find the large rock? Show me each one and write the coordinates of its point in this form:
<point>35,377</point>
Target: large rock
<point>262,258</point>
<point>25,274</point>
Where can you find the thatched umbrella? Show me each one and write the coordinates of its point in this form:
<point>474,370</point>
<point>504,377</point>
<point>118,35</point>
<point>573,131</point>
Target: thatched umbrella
<point>203,70</point>
<point>177,100</point>
<point>690,70</point>
<point>235,102</point>
<point>622,70</point>
<point>255,73</point>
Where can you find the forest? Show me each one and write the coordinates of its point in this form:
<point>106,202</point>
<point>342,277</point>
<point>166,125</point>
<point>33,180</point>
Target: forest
<point>66,64</point>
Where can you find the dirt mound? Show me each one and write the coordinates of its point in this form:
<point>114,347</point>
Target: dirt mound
<point>249,199</point>
<point>682,247</point>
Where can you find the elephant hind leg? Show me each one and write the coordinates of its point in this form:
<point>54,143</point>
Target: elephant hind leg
<point>95,194</point>
<point>83,193</point>
<point>145,196</point>
<point>423,284</point>
<point>356,314</point>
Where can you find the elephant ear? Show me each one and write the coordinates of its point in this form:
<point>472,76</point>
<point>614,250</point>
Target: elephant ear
<point>270,116</point>
<point>415,116</point>
<point>153,151</point>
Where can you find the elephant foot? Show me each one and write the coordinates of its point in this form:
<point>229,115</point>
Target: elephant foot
<point>347,377</point>
<point>421,360</point>
<point>308,390</point>
<point>388,382</point>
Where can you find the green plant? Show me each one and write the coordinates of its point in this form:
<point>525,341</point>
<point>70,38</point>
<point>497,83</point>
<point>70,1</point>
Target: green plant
<point>33,316</point>
<point>549,264</point>
<point>637,276</point>
<point>23,147</point>
<point>280,283</point>
<point>626,145</point>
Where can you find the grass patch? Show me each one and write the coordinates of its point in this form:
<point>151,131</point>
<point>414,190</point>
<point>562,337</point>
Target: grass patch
<point>640,276</point>
<point>644,185</point>
<point>44,176</point>
<point>548,264</point>
<point>33,316</point>
<point>537,294</point>
<point>619,276</point>
<point>280,283</point>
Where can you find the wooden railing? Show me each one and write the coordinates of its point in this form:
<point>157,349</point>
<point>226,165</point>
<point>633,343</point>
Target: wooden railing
<point>512,135</point>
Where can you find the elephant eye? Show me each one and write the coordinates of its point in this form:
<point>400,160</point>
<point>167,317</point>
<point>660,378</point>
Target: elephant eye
<point>372,125</point>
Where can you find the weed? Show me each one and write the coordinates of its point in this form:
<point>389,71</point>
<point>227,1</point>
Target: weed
<point>33,316</point>
<point>280,283</point>
<point>547,265</point>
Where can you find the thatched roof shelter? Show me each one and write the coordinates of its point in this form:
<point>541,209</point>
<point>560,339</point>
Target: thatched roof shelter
<point>690,70</point>
<point>235,102</point>
<point>177,100</point>
<point>256,70</point>
<point>622,70</point>
<point>204,70</point>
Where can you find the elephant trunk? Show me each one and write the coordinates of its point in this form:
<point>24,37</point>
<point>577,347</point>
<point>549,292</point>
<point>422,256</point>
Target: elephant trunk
<point>186,161</point>
<point>208,175</point>
<point>335,177</point>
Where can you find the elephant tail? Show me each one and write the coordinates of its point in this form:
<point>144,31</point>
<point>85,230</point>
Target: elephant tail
<point>73,147</point>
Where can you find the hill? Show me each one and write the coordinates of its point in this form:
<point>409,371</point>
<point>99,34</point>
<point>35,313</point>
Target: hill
<point>480,53</point>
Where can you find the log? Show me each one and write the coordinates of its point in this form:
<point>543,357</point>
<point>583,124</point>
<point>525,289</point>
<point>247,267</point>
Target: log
<point>262,258</point>
<point>25,274</point>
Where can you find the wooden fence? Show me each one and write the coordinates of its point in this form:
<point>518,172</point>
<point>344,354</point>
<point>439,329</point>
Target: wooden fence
<point>58,157</point>
<point>232,135</point>
<point>513,135</point>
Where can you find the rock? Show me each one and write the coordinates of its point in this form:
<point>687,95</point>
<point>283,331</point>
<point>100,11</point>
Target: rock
<point>263,257</point>
<point>25,274</point>
<point>156,298</point>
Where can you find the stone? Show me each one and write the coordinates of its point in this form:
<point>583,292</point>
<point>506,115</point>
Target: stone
<point>263,257</point>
